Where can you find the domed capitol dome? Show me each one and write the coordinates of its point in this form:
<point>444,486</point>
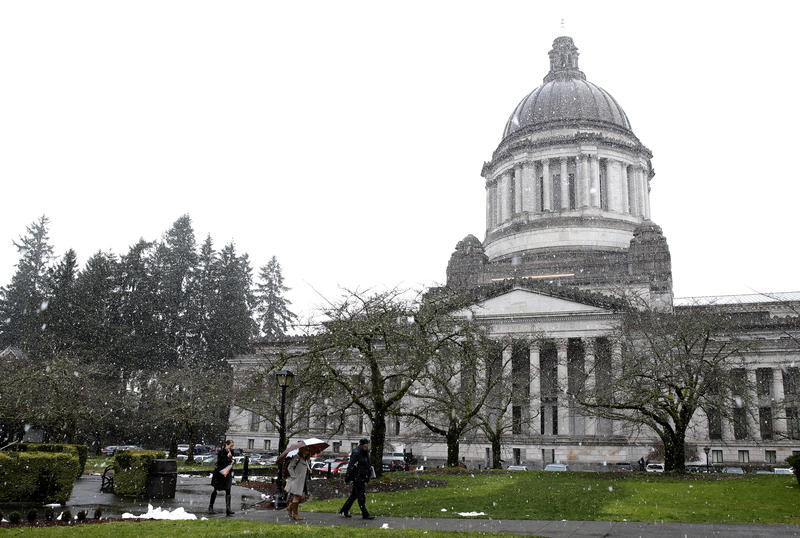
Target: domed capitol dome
<point>566,98</point>
<point>567,190</point>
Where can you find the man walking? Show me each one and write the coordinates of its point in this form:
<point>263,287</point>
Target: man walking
<point>359,471</point>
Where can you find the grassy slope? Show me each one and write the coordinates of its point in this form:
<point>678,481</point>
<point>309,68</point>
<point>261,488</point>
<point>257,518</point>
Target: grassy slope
<point>595,496</point>
<point>215,528</point>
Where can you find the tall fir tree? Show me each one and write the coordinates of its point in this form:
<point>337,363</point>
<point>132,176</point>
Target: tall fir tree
<point>22,301</point>
<point>272,307</point>
<point>57,319</point>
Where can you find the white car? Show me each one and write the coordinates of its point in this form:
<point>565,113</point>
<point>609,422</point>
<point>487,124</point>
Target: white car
<point>783,470</point>
<point>516,468</point>
<point>655,468</point>
<point>556,467</point>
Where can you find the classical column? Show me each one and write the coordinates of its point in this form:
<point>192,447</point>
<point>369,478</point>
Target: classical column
<point>535,379</point>
<point>623,180</point>
<point>588,364</point>
<point>616,371</point>
<point>594,173</point>
<point>644,181</point>
<point>582,167</point>
<point>563,397</point>
<point>518,189</point>
<point>528,187</point>
<point>614,185</point>
<point>547,183</point>
<point>508,202</point>
<point>498,205</point>
<point>752,413</point>
<point>489,206</point>
<point>564,185</point>
<point>779,408</point>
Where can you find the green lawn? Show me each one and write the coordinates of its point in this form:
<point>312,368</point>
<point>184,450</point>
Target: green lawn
<point>213,528</point>
<point>594,496</point>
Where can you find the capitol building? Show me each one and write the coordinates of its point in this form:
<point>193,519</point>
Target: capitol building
<point>568,231</point>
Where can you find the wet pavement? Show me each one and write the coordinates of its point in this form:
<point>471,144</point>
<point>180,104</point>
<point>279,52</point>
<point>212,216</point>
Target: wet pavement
<point>193,493</point>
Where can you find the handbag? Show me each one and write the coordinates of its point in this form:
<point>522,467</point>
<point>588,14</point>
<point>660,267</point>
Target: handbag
<point>224,472</point>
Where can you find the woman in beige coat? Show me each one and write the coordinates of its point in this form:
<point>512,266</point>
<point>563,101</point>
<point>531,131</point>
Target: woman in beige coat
<point>296,482</point>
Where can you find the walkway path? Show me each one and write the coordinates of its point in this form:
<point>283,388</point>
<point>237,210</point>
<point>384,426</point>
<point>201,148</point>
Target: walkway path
<point>193,493</point>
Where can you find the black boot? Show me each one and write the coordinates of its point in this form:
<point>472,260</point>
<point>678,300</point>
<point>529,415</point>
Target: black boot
<point>211,503</point>
<point>367,516</point>
<point>345,513</point>
<point>228,511</point>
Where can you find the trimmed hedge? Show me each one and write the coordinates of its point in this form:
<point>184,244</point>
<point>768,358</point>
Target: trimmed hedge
<point>80,451</point>
<point>37,476</point>
<point>131,468</point>
<point>794,461</point>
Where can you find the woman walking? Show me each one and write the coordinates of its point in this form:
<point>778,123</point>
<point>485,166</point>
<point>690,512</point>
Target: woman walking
<point>298,470</point>
<point>222,478</point>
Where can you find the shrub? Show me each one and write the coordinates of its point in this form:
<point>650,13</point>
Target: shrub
<point>131,468</point>
<point>98,512</point>
<point>49,513</point>
<point>14,517</point>
<point>794,461</point>
<point>80,451</point>
<point>37,476</point>
<point>32,515</point>
<point>82,515</point>
<point>66,515</point>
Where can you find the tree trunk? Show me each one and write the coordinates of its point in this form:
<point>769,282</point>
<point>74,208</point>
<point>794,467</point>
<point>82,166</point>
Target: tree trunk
<point>495,440</point>
<point>452,450</point>
<point>173,447</point>
<point>675,452</point>
<point>190,453</point>
<point>377,439</point>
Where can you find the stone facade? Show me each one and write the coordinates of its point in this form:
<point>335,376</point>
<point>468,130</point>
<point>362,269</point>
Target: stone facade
<point>568,230</point>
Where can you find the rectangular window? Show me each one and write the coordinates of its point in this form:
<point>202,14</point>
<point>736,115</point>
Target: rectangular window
<point>739,423</point>
<point>792,423</point>
<point>267,444</point>
<point>488,457</point>
<point>255,421</point>
<point>556,191</point>
<point>572,203</point>
<point>770,456</point>
<point>540,190</point>
<point>791,381</point>
<point>360,423</point>
<point>337,446</point>
<point>603,186</point>
<point>353,446</point>
<point>517,456</point>
<point>716,456</point>
<point>714,424</point>
<point>541,418</point>
<point>251,444</point>
<point>516,419</point>
<point>765,422</point>
<point>555,420</point>
<point>763,381</point>
<point>744,456</point>
<point>397,426</point>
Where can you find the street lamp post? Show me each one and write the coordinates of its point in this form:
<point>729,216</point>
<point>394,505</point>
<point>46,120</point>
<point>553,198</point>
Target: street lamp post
<point>284,378</point>
<point>707,449</point>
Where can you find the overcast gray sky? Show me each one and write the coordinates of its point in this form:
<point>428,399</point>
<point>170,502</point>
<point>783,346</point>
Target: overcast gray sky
<point>347,138</point>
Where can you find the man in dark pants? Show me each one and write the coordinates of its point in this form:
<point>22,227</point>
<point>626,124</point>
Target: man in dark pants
<point>359,471</point>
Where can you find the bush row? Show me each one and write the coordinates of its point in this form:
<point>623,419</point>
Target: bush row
<point>131,468</point>
<point>81,451</point>
<point>37,476</point>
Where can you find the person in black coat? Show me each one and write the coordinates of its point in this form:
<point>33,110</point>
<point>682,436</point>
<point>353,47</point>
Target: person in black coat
<point>220,481</point>
<point>359,471</point>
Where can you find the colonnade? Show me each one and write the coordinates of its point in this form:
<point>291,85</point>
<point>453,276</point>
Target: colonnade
<point>567,183</point>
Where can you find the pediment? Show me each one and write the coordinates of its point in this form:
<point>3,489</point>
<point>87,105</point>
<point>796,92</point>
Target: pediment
<point>519,302</point>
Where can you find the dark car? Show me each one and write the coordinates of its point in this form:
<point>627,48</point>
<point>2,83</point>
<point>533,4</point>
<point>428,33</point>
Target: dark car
<point>391,465</point>
<point>623,467</point>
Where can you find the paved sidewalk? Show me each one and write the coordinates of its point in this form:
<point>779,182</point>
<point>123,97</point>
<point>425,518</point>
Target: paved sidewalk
<point>540,528</point>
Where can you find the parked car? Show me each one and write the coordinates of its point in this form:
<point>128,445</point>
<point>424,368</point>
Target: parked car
<point>339,468</point>
<point>319,467</point>
<point>733,470</point>
<point>517,468</point>
<point>109,450</point>
<point>655,468</point>
<point>763,471</point>
<point>556,467</point>
<point>694,468</point>
<point>391,465</point>
<point>623,467</point>
<point>783,470</point>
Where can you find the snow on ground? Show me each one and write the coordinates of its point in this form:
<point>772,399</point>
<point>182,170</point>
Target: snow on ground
<point>471,514</point>
<point>158,513</point>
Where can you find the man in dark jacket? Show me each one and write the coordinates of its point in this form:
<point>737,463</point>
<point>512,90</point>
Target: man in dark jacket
<point>359,471</point>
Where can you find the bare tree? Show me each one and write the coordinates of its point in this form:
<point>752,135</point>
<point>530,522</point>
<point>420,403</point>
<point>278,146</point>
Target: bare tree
<point>666,366</point>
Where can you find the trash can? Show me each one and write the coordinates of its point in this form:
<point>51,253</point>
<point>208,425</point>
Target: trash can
<point>162,479</point>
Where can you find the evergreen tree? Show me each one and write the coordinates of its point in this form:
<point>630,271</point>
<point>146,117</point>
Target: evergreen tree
<point>231,323</point>
<point>274,316</point>
<point>96,324</point>
<point>57,319</point>
<point>22,301</point>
